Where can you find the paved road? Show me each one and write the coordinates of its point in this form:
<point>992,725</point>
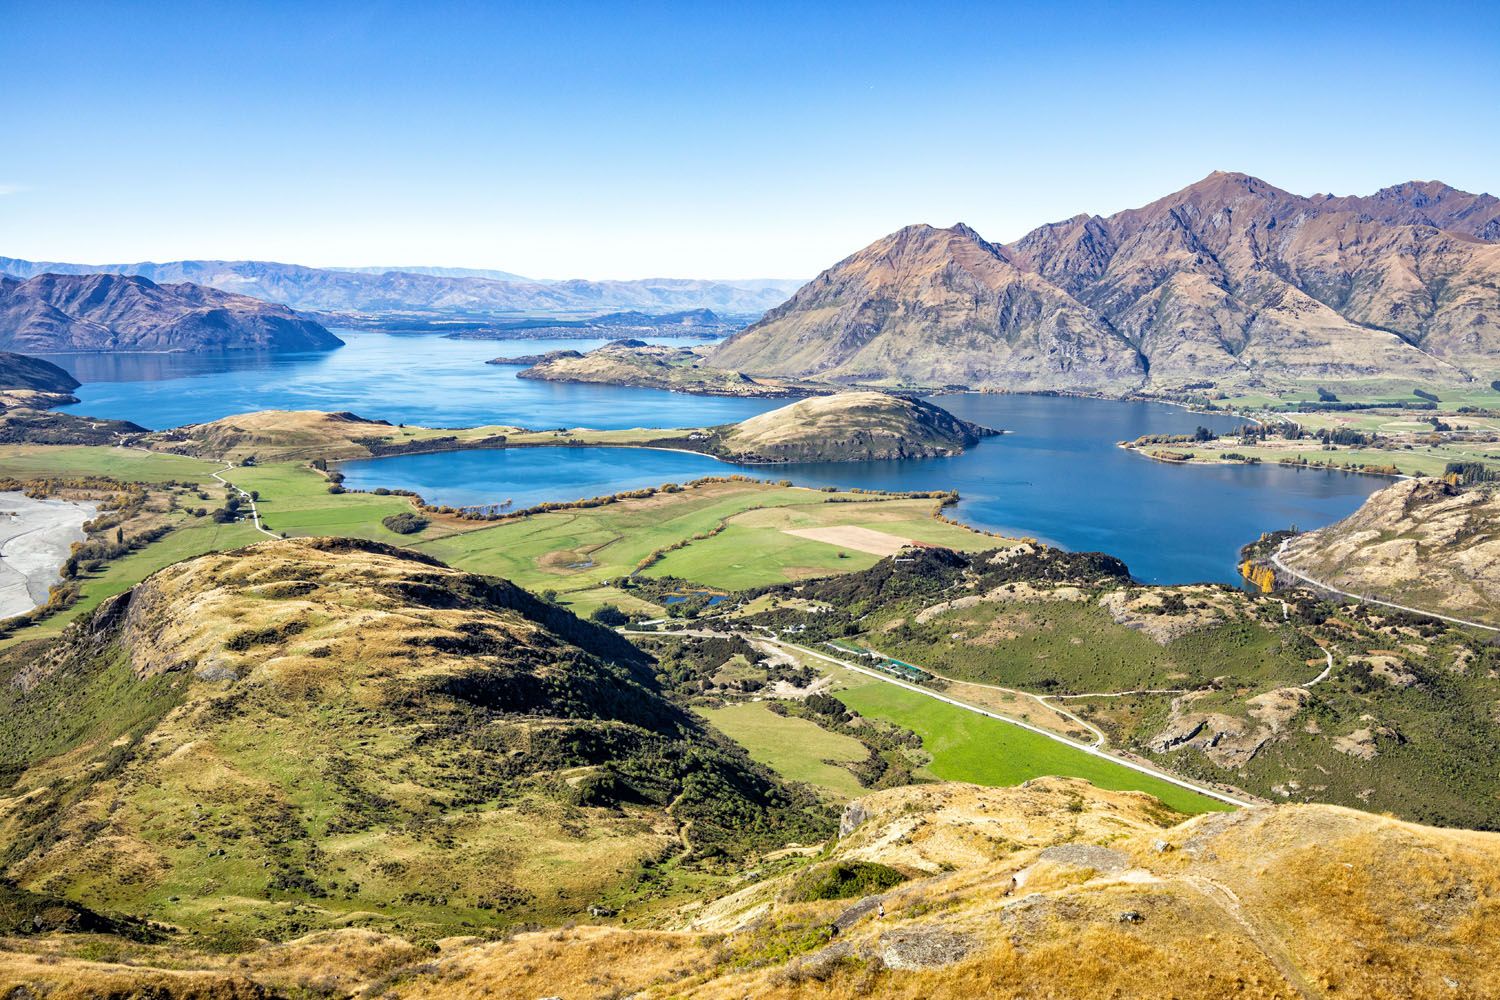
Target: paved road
<point>1281,565</point>
<point>1094,749</point>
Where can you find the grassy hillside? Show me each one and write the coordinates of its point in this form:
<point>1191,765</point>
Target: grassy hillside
<point>301,734</point>
<point>1421,543</point>
<point>1055,889</point>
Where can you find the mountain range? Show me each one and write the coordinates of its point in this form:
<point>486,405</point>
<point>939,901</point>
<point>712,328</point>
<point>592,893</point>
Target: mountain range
<point>111,312</point>
<point>447,291</point>
<point>1228,281</point>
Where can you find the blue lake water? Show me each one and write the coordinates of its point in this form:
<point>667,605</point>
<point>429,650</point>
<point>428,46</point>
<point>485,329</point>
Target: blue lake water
<point>413,378</point>
<point>1056,475</point>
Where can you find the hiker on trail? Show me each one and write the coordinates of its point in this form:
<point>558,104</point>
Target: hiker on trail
<point>882,911</point>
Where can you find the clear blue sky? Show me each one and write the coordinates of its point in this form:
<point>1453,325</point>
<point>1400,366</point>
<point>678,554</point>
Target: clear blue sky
<point>707,140</point>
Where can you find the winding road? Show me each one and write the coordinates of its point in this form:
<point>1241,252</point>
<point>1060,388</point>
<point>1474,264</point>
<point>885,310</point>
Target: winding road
<point>254,512</point>
<point>1276,559</point>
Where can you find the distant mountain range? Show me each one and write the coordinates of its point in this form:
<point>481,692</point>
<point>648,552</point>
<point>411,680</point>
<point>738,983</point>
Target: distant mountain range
<point>112,312</point>
<point>444,291</point>
<point>1228,281</point>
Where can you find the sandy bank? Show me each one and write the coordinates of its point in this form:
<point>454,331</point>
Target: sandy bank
<point>35,536</point>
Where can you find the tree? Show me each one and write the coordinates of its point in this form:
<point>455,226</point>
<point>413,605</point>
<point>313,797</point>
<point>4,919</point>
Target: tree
<point>609,615</point>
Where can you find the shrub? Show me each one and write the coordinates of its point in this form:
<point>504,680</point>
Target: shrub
<point>843,880</point>
<point>609,615</point>
<point>405,523</point>
<point>1424,394</point>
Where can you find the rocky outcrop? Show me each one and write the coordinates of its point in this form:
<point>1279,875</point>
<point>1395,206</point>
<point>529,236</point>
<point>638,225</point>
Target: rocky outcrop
<point>1422,543</point>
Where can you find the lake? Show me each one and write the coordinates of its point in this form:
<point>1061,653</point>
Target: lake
<point>1056,474</point>
<point>404,378</point>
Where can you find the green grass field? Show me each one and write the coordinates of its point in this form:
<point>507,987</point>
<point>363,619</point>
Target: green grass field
<point>294,499</point>
<point>25,461</point>
<point>195,537</point>
<point>966,746</point>
<point>576,551</point>
<point>1418,461</point>
<point>794,748</point>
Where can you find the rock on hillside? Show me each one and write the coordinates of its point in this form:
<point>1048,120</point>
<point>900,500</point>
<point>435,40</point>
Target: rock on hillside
<point>1051,889</point>
<point>275,738</point>
<point>1421,543</point>
<point>848,427</point>
<point>110,312</point>
<point>1230,281</point>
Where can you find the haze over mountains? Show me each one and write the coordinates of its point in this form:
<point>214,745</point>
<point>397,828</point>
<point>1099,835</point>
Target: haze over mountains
<point>1230,280</point>
<point>454,291</point>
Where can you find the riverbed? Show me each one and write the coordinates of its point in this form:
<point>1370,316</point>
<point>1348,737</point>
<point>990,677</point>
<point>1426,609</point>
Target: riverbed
<point>36,537</point>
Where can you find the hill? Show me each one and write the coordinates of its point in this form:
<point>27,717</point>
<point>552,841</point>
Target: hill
<point>1422,543</point>
<point>107,312</point>
<point>1053,889</point>
<point>303,734</point>
<point>340,290</point>
<point>847,427</point>
<point>634,363</point>
<point>1230,281</point>
<point>302,435</point>
<point>17,371</point>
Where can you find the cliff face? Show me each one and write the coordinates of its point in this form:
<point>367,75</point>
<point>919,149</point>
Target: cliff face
<point>109,312</point>
<point>1230,280</point>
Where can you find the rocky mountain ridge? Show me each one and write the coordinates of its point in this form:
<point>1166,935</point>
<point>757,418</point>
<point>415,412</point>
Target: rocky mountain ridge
<point>443,291</point>
<point>1228,281</point>
<point>109,312</point>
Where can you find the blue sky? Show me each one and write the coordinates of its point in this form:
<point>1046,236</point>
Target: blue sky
<point>705,140</point>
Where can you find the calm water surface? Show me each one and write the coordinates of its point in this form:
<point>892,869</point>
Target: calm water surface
<point>414,379</point>
<point>1056,475</point>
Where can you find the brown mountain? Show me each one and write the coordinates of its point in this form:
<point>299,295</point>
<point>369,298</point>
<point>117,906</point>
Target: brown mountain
<point>110,312</point>
<point>932,307</point>
<point>1230,280</point>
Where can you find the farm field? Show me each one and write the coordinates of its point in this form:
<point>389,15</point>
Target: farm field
<point>24,461</point>
<point>294,499</point>
<point>195,537</point>
<point>966,746</point>
<point>734,533</point>
<point>796,749</point>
